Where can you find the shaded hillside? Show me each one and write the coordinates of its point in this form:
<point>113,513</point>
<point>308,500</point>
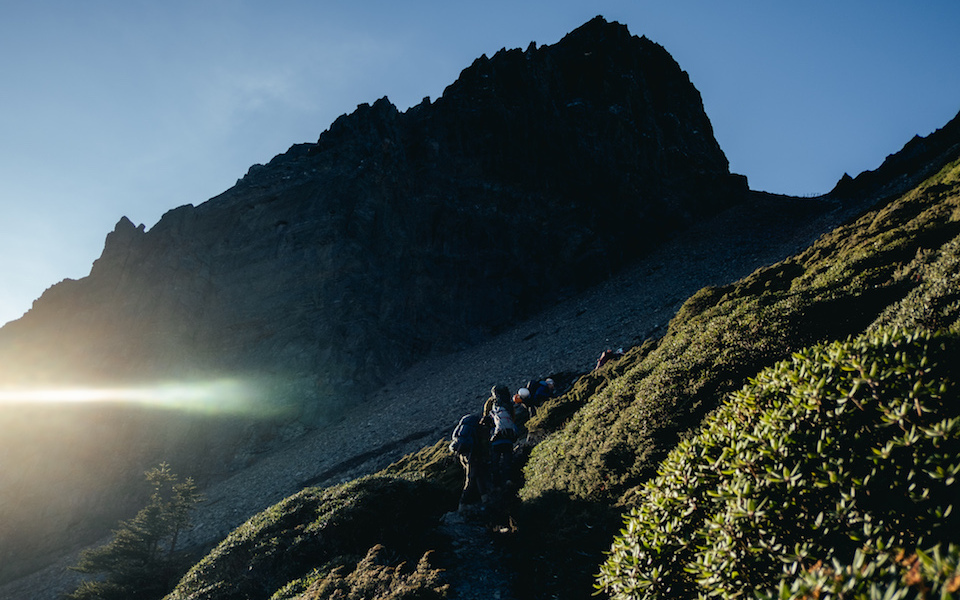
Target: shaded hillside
<point>896,265</point>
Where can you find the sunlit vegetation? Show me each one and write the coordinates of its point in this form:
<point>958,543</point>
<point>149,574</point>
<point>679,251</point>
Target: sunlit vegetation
<point>843,456</point>
<point>373,577</point>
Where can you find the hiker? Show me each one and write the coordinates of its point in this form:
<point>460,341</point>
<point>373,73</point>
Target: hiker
<point>522,407</point>
<point>540,391</point>
<point>471,444</point>
<point>608,355</point>
<point>499,408</point>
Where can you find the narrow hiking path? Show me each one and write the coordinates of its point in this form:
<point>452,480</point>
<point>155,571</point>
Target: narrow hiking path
<point>476,566</point>
<point>567,338</point>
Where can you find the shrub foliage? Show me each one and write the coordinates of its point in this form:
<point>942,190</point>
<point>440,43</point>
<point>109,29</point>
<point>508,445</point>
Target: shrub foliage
<point>373,577</point>
<point>843,455</point>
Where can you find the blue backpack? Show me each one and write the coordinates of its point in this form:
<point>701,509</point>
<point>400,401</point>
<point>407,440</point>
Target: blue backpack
<point>463,435</point>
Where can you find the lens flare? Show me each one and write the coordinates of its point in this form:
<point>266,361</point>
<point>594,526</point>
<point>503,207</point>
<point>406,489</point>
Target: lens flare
<point>225,396</point>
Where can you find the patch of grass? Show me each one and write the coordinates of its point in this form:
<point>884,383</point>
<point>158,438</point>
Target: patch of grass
<point>434,464</point>
<point>554,413</point>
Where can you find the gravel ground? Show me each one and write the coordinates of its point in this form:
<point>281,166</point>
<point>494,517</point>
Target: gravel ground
<point>567,338</point>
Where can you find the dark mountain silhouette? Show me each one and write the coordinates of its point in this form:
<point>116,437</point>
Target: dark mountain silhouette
<point>920,158</point>
<point>396,235</point>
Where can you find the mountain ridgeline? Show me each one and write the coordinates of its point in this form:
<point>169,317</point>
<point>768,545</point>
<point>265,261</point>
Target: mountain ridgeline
<point>395,235</point>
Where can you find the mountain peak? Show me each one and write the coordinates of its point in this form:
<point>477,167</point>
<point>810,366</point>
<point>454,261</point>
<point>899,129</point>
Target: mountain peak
<point>599,141</point>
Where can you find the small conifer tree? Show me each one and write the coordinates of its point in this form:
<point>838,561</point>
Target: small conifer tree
<point>135,563</point>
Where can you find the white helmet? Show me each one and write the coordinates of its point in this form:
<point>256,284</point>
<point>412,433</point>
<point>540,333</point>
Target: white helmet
<point>523,393</point>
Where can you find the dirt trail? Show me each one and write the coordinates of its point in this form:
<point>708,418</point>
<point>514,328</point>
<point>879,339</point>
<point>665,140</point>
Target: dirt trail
<point>568,337</point>
<point>479,569</point>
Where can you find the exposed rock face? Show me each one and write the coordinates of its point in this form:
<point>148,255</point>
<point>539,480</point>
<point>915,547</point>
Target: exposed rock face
<point>395,236</point>
<point>399,234</point>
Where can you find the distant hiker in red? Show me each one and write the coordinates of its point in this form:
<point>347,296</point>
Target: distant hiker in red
<point>499,408</point>
<point>471,443</point>
<point>608,355</point>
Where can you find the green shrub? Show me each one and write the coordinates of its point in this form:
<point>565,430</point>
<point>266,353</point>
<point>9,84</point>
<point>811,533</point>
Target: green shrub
<point>852,446</point>
<point>886,575</point>
<point>142,558</point>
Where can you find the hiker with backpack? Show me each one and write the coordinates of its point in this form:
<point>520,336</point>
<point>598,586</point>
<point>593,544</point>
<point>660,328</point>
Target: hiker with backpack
<point>499,408</point>
<point>540,391</point>
<point>471,443</point>
<point>522,407</point>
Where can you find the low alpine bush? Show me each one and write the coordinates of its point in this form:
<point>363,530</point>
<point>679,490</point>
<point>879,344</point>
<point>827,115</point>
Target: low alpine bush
<point>849,450</point>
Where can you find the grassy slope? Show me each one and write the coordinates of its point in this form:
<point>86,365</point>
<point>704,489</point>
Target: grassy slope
<point>897,265</point>
<point>888,265</point>
<point>894,266</point>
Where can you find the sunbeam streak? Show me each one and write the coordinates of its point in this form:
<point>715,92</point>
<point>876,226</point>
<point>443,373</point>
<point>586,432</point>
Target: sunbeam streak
<point>227,396</point>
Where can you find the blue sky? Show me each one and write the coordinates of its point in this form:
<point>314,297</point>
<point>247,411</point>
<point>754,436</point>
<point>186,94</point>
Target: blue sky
<point>131,108</point>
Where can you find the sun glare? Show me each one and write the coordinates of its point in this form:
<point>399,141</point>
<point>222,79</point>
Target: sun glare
<point>222,396</point>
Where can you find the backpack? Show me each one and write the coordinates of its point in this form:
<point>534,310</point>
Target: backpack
<point>503,426</point>
<point>533,386</point>
<point>462,438</point>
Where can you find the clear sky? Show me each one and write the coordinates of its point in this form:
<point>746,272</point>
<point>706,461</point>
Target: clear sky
<point>112,108</point>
